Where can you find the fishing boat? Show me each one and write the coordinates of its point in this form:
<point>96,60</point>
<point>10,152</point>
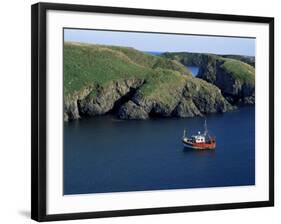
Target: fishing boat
<point>199,141</point>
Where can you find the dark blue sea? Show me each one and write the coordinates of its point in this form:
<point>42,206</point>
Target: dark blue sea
<point>104,154</point>
<point>154,53</point>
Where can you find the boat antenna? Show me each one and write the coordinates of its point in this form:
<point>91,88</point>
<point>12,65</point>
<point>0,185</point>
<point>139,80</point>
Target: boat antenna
<point>184,132</point>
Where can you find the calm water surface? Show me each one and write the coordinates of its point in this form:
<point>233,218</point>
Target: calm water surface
<point>194,70</point>
<point>104,154</point>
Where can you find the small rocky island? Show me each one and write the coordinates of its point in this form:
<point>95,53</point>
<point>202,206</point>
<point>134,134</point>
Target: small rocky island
<point>101,79</point>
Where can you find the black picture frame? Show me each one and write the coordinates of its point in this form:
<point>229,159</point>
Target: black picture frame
<point>38,110</point>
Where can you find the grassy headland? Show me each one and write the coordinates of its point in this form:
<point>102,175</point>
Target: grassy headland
<point>100,79</point>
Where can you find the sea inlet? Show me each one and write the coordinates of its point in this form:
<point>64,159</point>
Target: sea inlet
<point>105,154</point>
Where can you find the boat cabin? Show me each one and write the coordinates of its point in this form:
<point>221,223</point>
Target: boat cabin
<point>198,138</point>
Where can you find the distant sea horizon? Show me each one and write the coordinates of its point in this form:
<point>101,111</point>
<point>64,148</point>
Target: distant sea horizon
<point>155,53</point>
<point>158,53</point>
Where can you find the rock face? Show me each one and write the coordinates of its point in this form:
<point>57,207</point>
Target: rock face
<point>233,74</point>
<point>105,98</point>
<point>207,97</point>
<point>124,99</point>
<point>130,84</point>
<point>71,109</point>
<point>186,108</point>
<point>197,97</point>
<point>235,90</point>
<point>99,100</point>
<point>130,110</point>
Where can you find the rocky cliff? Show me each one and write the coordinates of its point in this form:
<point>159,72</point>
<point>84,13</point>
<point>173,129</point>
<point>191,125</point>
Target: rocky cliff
<point>132,85</point>
<point>235,78</point>
<point>125,99</point>
<point>192,98</point>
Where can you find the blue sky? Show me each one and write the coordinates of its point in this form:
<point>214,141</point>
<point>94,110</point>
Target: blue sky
<point>165,42</point>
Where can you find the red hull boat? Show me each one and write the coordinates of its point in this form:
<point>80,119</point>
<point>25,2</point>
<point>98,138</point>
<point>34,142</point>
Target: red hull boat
<point>199,141</point>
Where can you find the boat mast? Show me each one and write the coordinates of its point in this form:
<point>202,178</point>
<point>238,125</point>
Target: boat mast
<point>206,129</point>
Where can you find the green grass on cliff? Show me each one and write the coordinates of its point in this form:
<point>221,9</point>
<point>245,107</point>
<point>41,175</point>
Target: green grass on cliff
<point>86,65</point>
<point>164,86</point>
<point>239,70</point>
<point>150,61</point>
<point>232,66</point>
<point>90,65</point>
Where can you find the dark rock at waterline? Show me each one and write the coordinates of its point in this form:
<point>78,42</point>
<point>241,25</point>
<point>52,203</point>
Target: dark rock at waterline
<point>123,98</point>
<point>103,99</point>
<point>186,108</point>
<point>99,100</point>
<point>130,110</point>
<point>197,97</point>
